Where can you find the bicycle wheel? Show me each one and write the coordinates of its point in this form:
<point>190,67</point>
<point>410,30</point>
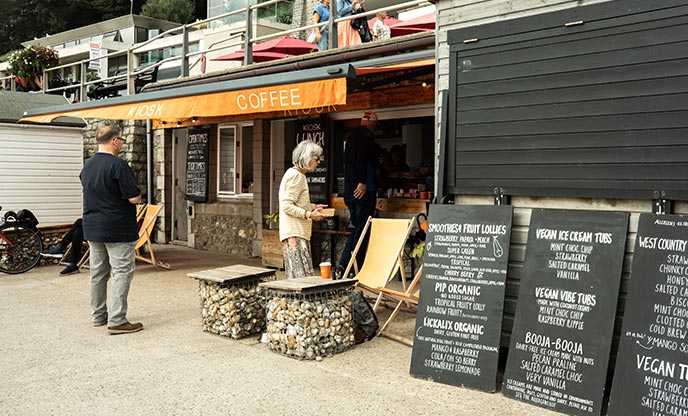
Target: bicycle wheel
<point>20,248</point>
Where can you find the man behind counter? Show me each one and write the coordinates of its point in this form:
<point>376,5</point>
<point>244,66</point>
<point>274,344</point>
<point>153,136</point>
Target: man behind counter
<point>360,159</point>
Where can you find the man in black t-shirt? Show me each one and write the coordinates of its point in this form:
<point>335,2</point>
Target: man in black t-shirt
<point>109,222</point>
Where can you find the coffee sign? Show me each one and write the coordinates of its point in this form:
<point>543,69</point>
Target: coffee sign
<point>459,319</point>
<point>562,333</point>
<point>651,374</point>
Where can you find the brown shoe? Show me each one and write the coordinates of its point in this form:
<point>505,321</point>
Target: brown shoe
<point>125,328</point>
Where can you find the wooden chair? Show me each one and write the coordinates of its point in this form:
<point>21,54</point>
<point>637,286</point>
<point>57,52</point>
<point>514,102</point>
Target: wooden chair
<point>141,210</point>
<point>384,256</point>
<point>408,297</point>
<point>151,215</point>
<point>83,261</point>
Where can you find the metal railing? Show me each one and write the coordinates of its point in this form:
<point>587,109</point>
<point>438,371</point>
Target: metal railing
<point>133,69</point>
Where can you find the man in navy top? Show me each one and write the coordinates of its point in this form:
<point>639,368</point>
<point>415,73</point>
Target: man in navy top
<point>360,157</point>
<point>109,222</point>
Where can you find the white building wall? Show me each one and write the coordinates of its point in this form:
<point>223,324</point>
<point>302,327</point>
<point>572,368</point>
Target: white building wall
<point>39,171</point>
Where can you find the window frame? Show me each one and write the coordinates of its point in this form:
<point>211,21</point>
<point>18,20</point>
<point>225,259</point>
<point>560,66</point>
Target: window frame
<point>238,174</point>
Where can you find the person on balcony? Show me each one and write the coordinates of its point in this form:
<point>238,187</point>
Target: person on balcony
<point>322,16</point>
<point>380,29</point>
<point>346,34</point>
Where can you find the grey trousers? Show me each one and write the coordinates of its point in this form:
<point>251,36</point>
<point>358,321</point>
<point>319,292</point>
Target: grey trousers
<point>114,260</point>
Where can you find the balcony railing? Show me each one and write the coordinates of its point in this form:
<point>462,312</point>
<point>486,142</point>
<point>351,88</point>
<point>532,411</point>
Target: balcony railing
<point>128,80</point>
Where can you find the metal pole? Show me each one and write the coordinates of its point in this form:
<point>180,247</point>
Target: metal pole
<point>185,51</point>
<point>331,27</point>
<point>248,46</point>
<point>149,163</point>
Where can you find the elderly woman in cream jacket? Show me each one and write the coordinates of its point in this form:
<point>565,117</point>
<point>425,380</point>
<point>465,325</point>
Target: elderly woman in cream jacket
<point>297,212</point>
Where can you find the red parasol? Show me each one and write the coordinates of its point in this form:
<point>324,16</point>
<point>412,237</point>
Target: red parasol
<point>415,25</point>
<point>286,45</point>
<point>257,56</point>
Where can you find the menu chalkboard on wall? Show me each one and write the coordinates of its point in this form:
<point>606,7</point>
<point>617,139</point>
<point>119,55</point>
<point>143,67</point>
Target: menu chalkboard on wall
<point>317,131</point>
<point>559,350</point>
<point>459,319</point>
<point>651,372</point>
<point>197,165</point>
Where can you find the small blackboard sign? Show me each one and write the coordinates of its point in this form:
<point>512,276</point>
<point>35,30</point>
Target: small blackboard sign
<point>197,165</point>
<point>559,350</point>
<point>459,318</point>
<point>317,131</point>
<point>651,372</point>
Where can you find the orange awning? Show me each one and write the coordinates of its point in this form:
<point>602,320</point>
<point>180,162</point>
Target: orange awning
<point>298,90</point>
<point>296,96</point>
<point>395,67</point>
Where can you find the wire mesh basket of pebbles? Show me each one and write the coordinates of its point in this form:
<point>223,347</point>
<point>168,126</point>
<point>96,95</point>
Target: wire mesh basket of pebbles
<point>234,309</point>
<point>311,325</point>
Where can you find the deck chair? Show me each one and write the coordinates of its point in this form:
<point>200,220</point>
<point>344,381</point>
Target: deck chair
<point>83,261</point>
<point>408,297</point>
<point>151,214</point>
<point>384,256</point>
<point>140,212</point>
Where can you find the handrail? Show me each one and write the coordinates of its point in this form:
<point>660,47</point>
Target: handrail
<point>184,30</point>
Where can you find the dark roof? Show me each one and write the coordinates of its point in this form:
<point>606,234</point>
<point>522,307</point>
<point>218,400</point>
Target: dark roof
<point>13,104</point>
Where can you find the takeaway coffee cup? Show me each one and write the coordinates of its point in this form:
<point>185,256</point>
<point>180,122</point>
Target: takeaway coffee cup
<point>325,270</point>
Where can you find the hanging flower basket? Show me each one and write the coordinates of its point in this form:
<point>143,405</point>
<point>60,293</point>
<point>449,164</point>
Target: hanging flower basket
<point>27,65</point>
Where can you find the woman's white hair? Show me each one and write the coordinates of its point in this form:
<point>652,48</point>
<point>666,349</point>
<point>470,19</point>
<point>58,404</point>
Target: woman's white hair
<point>304,152</point>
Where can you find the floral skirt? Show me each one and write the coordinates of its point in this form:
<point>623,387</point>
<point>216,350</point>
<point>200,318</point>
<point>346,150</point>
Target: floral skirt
<point>347,35</point>
<point>297,258</point>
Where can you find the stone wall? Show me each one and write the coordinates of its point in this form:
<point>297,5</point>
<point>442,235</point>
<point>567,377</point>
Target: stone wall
<point>303,15</point>
<point>225,227</point>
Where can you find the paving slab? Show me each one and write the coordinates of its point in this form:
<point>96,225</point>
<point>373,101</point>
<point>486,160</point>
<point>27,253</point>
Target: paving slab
<point>54,362</point>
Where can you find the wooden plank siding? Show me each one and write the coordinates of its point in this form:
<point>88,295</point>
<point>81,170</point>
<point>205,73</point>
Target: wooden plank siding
<point>39,171</point>
<point>590,117</point>
<point>534,77</point>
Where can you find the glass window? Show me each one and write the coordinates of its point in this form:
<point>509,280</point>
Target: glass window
<point>226,164</point>
<point>235,160</point>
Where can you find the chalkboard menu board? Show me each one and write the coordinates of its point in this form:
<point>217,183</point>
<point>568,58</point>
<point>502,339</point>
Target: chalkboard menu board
<point>197,165</point>
<point>459,318</point>
<point>651,373</point>
<point>562,333</point>
<point>317,131</point>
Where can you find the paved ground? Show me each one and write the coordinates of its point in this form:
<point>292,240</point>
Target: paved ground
<point>53,362</point>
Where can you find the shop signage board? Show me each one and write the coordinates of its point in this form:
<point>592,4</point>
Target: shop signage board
<point>317,131</point>
<point>651,374</point>
<point>459,319</point>
<point>560,343</point>
<point>197,165</point>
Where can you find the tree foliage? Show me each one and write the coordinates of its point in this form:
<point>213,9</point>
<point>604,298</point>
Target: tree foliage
<point>180,11</point>
<point>24,20</point>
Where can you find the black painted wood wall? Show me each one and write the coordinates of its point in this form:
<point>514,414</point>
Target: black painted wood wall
<point>586,102</point>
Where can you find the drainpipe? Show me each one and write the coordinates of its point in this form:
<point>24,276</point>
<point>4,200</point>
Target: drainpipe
<point>149,162</point>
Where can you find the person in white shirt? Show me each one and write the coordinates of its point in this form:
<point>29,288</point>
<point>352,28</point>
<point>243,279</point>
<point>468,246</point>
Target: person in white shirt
<point>296,212</point>
<point>380,29</point>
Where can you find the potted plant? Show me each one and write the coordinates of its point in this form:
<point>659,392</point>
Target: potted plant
<point>28,64</point>
<point>271,244</point>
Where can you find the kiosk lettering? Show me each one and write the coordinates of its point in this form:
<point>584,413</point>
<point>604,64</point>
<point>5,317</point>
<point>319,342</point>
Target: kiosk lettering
<point>316,131</point>
<point>562,333</point>
<point>459,318</point>
<point>651,373</point>
<point>197,165</point>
